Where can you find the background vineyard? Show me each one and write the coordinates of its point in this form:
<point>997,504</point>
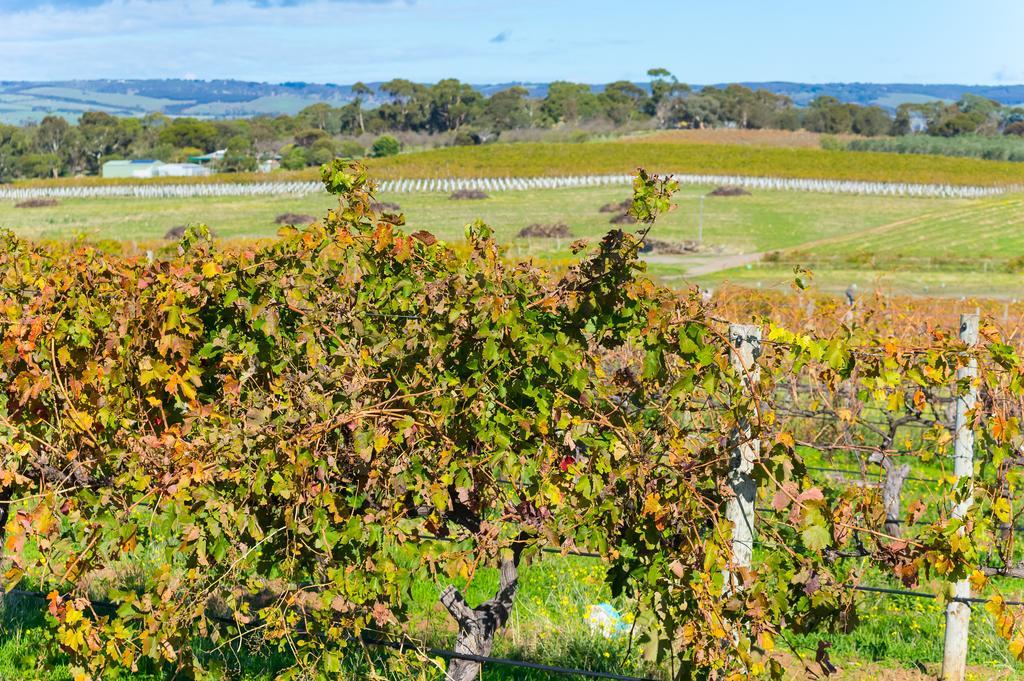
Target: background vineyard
<point>600,158</point>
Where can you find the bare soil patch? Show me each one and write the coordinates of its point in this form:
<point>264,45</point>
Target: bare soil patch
<point>37,203</point>
<point>729,191</point>
<point>293,219</point>
<point>558,230</point>
<point>620,207</point>
<point>468,194</point>
<point>800,139</point>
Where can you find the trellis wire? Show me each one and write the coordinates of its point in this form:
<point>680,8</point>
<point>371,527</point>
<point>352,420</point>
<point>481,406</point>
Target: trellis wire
<point>500,184</point>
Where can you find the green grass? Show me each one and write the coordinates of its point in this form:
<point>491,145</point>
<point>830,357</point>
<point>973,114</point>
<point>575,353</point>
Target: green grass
<point>945,247</point>
<point>548,625</point>
<point>763,221</point>
<point>915,282</point>
<point>989,230</point>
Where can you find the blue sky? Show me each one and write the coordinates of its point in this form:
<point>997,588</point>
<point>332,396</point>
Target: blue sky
<point>488,41</point>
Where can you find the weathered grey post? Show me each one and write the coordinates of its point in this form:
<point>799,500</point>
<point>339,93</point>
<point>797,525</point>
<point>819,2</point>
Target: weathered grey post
<point>958,613</point>
<point>739,510</point>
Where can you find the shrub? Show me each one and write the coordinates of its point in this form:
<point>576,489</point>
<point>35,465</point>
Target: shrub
<point>832,143</point>
<point>385,145</point>
<point>558,230</point>
<point>295,158</point>
<point>465,138</point>
<point>350,149</point>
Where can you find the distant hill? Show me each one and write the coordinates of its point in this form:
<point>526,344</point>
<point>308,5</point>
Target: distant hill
<point>22,102</point>
<point>890,95</point>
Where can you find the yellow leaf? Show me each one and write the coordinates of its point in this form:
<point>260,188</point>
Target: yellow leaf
<point>380,441</point>
<point>652,504</point>
<point>81,419</point>
<point>211,269</point>
<point>1001,509</point>
<point>553,493</point>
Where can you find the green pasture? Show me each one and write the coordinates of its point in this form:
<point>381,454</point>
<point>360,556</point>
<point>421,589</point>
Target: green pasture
<point>763,221</point>
<point>995,283</point>
<point>923,246</point>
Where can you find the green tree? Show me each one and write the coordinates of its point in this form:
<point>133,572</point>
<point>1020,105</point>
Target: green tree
<point>238,156</point>
<point>407,109</point>
<point>568,103</point>
<point>316,116</point>
<point>829,115</point>
<point>360,90</point>
<point>509,109</point>
<point>664,88</point>
<point>14,143</point>
<point>452,105</point>
<point>101,134</point>
<point>698,110</point>
<point>872,121</point>
<point>53,137</point>
<point>901,124</point>
<point>622,101</point>
<point>189,132</point>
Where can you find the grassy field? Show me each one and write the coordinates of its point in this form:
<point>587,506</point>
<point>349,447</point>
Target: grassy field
<point>948,247</point>
<point>763,221</point>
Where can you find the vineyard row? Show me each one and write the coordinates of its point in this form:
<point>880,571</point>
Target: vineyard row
<point>500,184</point>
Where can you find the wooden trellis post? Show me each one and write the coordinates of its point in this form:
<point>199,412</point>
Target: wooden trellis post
<point>739,511</point>
<point>958,613</point>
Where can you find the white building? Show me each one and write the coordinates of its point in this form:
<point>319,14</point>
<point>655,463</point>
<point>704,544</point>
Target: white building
<point>143,169</point>
<point>136,168</point>
<point>180,170</point>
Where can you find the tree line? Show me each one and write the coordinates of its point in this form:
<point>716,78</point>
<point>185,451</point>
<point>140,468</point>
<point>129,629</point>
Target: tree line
<point>453,112</point>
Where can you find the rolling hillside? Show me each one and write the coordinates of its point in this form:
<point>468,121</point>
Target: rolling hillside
<point>22,102</point>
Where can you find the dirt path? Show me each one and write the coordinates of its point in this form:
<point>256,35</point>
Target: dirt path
<point>700,265</point>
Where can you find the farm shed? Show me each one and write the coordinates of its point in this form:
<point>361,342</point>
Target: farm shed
<point>134,168</point>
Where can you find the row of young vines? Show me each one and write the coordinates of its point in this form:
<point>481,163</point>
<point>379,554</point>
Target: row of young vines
<point>276,438</point>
